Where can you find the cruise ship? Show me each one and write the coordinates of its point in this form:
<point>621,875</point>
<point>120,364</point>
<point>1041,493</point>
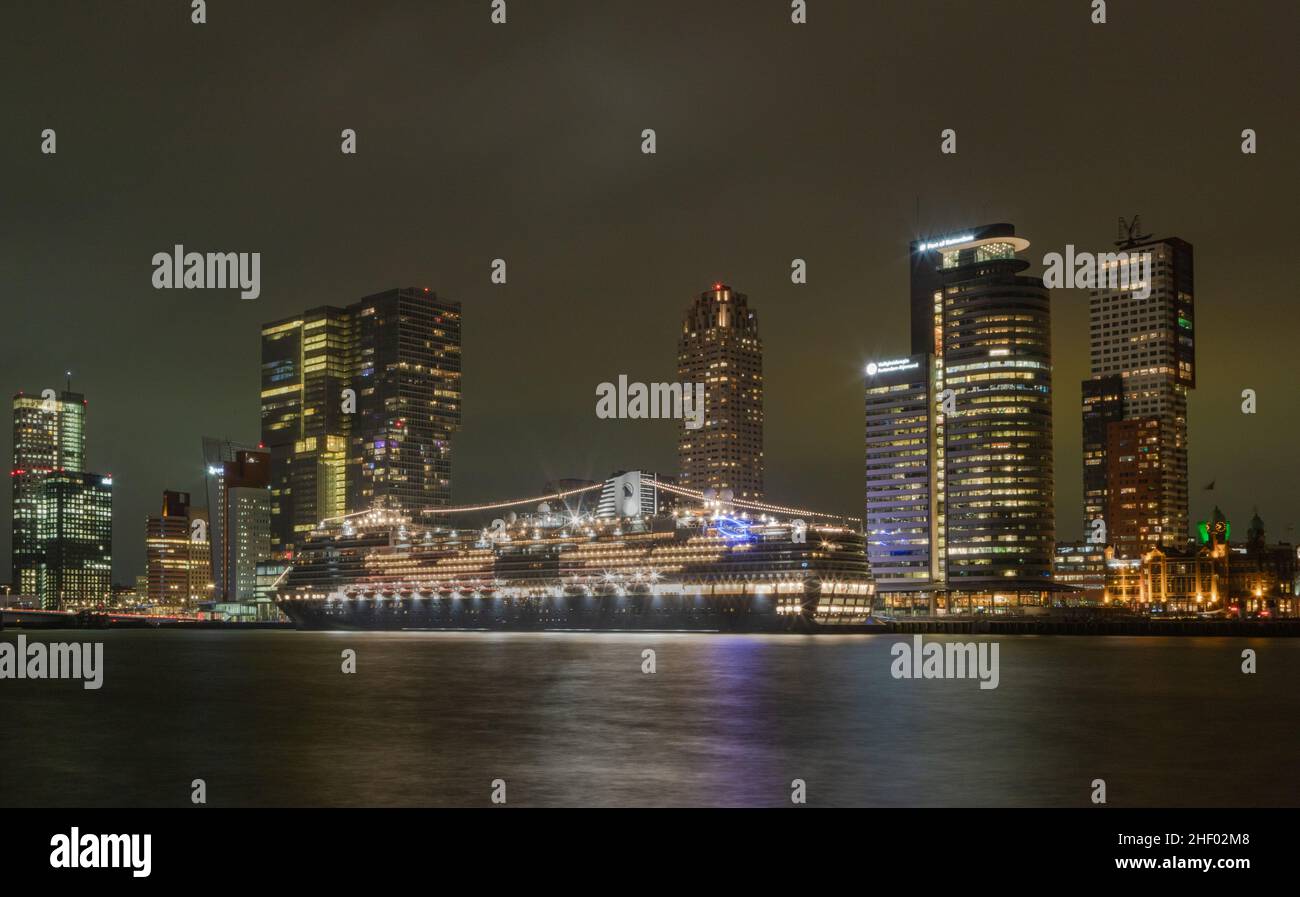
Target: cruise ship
<point>671,570</point>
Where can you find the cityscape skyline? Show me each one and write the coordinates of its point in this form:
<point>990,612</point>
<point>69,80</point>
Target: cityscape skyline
<point>591,225</point>
<point>1284,531</point>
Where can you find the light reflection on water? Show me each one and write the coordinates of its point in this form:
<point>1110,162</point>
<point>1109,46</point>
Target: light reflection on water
<point>268,719</point>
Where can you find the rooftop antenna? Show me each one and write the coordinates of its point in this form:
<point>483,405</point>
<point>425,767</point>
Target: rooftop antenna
<point>68,374</point>
<point>1129,233</point>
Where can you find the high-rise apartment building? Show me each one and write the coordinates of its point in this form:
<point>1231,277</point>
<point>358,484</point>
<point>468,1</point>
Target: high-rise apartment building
<point>720,348</point>
<point>1142,336</point>
<point>358,407</point>
<point>969,524</point>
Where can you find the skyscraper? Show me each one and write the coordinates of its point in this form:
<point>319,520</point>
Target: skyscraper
<point>218,454</point>
<point>49,437</point>
<point>1135,478</point>
<point>970,524</point>
<point>177,554</point>
<point>1146,345</point>
<point>74,528</point>
<point>407,380</point>
<point>720,348</point>
<point>1103,405</point>
<point>245,537</point>
<point>904,520</point>
<point>358,407</point>
<point>306,364</point>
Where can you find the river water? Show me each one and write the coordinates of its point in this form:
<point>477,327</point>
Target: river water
<point>268,718</point>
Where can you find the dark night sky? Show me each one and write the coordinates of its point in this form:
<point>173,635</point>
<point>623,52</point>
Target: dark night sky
<point>522,141</point>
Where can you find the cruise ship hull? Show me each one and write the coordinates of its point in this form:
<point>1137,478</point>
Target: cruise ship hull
<point>644,613</point>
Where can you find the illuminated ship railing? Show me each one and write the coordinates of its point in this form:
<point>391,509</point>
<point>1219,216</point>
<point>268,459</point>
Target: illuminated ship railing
<point>765,507</point>
<point>693,494</point>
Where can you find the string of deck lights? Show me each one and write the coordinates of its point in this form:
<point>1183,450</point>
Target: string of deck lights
<point>750,505</point>
<point>676,490</point>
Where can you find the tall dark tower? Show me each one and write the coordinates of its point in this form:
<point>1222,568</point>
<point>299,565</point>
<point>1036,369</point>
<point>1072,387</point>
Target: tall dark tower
<point>988,326</point>
<point>407,380</point>
<point>720,348</point>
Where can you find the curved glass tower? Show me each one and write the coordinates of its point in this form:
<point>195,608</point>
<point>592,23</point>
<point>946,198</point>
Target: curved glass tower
<point>960,513</point>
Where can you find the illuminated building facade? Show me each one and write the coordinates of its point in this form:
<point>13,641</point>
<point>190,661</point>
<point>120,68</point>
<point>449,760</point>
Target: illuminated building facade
<point>1103,404</point>
<point>720,348</point>
<point>306,364</point>
<point>178,557</point>
<point>1135,474</point>
<point>218,454</point>
<point>407,379</point>
<point>1251,580</point>
<point>984,328</point>
<point>904,466</point>
<point>74,528</point>
<point>49,437</point>
<point>246,536</point>
<point>358,407</point>
<point>1081,566</point>
<point>1149,345</point>
<point>238,483</point>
